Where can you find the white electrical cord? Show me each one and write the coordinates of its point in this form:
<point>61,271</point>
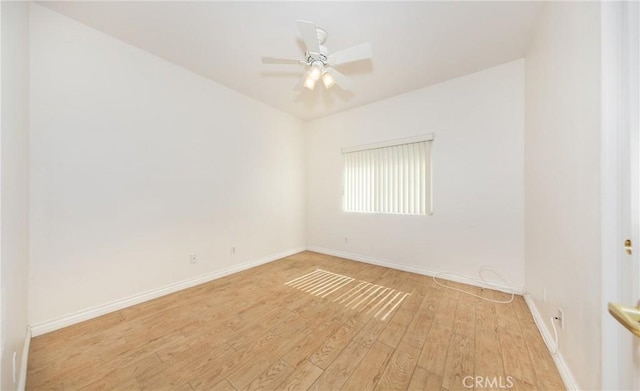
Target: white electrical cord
<point>489,284</point>
<point>483,282</point>
<point>555,334</point>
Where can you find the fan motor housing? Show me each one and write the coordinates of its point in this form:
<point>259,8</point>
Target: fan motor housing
<point>321,57</point>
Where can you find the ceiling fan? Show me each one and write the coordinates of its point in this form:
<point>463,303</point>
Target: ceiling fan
<point>319,62</point>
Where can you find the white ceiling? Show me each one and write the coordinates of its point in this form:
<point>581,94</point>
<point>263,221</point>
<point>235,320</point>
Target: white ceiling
<point>415,44</point>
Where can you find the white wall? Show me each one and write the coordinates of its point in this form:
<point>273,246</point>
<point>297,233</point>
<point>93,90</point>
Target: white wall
<point>138,163</point>
<point>14,267</point>
<point>562,179</point>
<point>478,122</point>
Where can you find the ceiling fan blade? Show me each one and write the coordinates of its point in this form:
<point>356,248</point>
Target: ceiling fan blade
<point>309,35</point>
<point>275,60</point>
<point>354,53</point>
<point>341,80</point>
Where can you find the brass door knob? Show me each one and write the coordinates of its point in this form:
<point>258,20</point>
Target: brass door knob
<point>629,317</point>
<point>627,246</point>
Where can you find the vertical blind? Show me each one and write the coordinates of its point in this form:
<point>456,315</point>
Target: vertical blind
<point>392,178</point>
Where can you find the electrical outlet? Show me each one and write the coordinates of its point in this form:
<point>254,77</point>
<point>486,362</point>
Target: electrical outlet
<point>346,240</point>
<point>544,295</point>
<point>560,318</point>
<point>193,258</point>
<point>233,250</point>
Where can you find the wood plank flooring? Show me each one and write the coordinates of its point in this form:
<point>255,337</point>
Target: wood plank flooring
<point>250,331</point>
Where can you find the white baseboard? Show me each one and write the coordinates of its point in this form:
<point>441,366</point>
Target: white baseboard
<point>563,369</point>
<point>80,316</point>
<point>22,380</point>
<point>413,269</point>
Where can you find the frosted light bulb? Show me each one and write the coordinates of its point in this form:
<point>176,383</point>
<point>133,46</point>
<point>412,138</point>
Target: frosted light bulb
<point>315,72</point>
<point>309,83</point>
<point>327,79</point>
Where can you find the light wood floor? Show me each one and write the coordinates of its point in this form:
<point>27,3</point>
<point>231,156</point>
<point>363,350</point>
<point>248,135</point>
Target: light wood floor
<point>251,331</point>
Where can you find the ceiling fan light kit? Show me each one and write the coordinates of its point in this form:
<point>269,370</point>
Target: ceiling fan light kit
<point>316,70</point>
<point>319,61</point>
<point>328,80</point>
<point>309,83</point>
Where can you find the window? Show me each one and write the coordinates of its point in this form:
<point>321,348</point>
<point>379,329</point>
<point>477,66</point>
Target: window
<point>389,177</point>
